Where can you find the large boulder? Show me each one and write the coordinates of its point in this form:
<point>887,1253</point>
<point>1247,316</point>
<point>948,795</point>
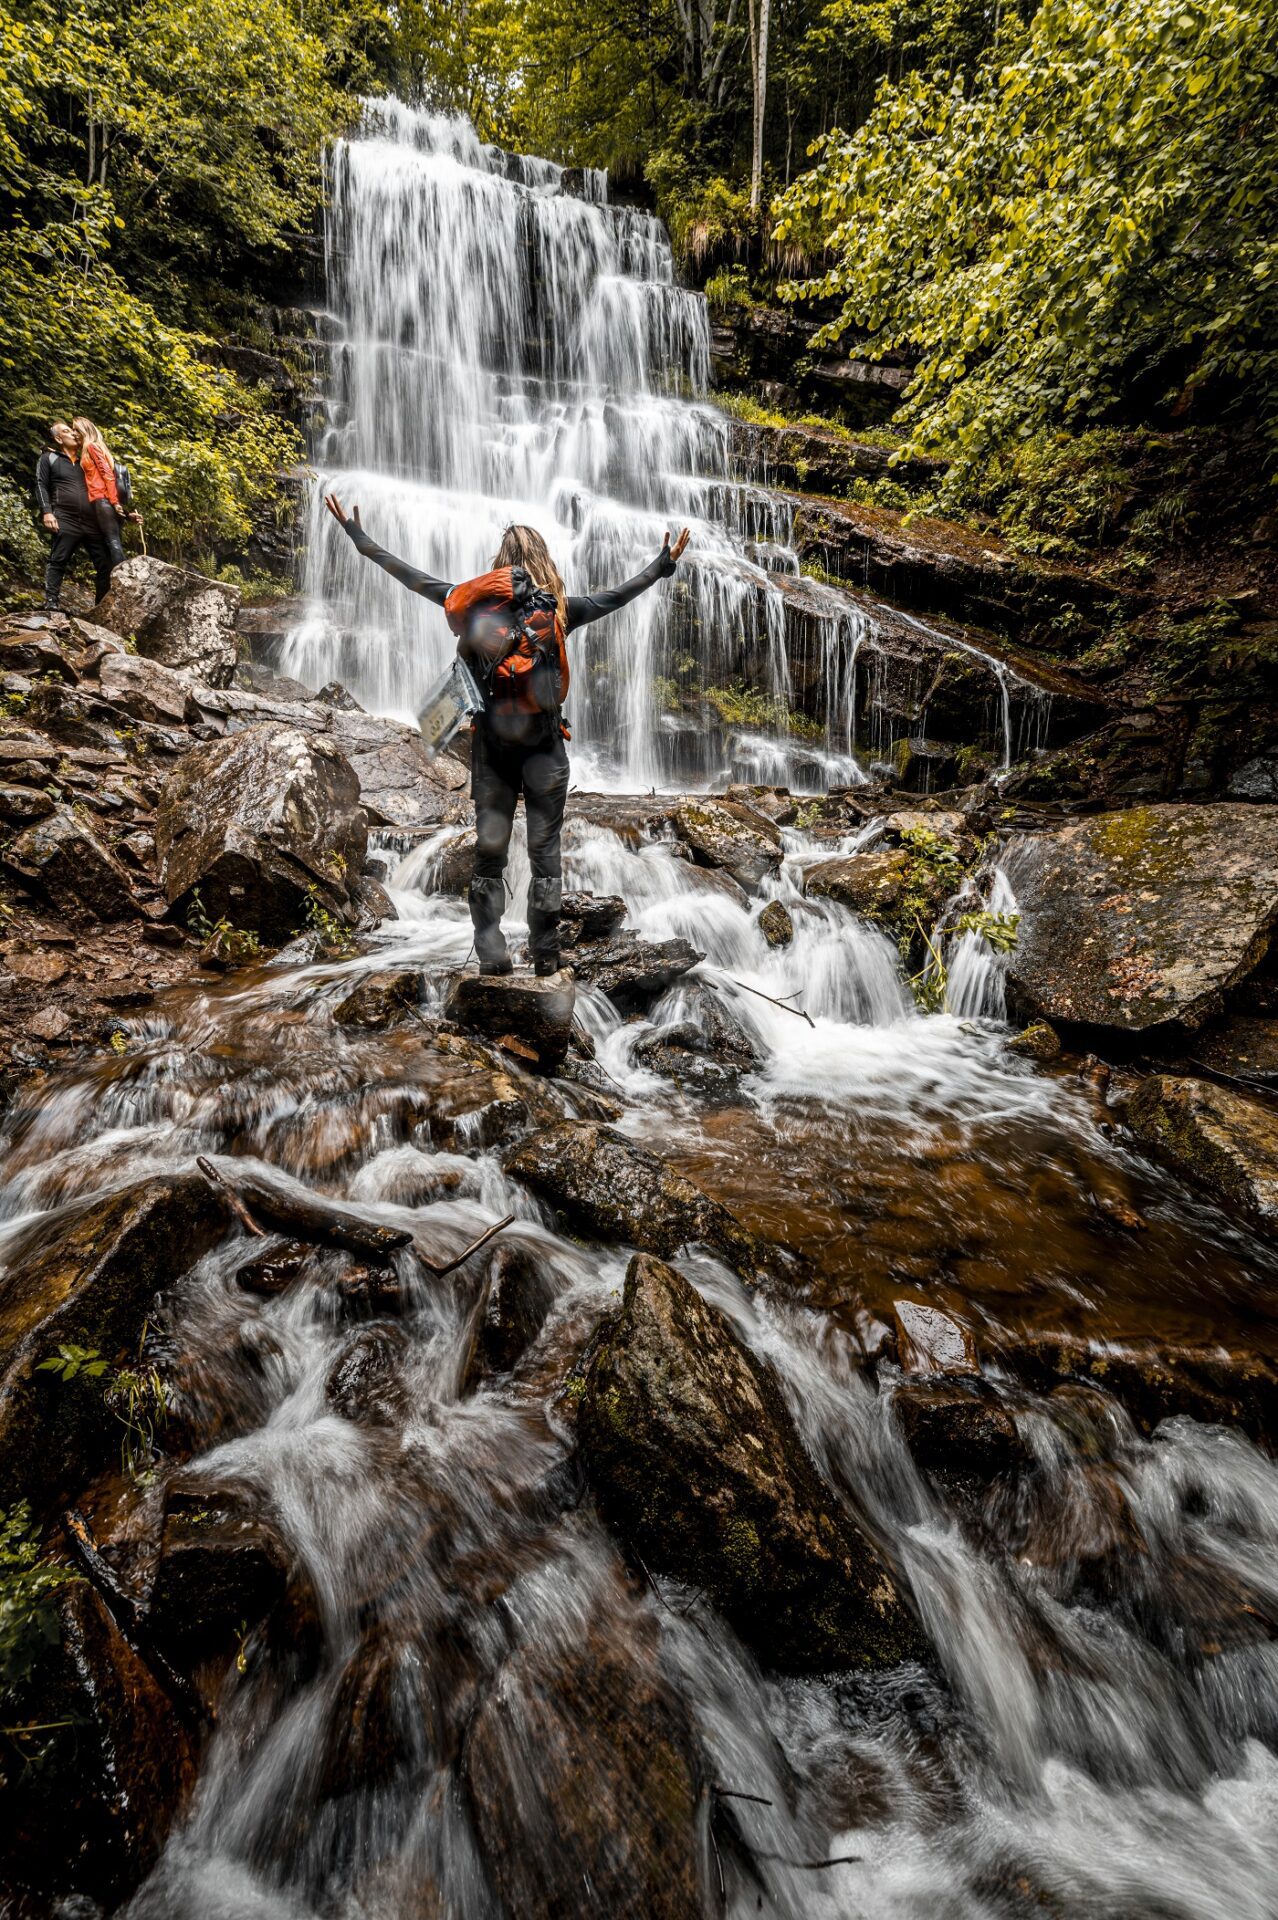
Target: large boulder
<point>267,825</point>
<point>584,1740</point>
<point>696,1461</point>
<point>174,616</point>
<point>63,858</point>
<point>89,1281</point>
<point>1221,1139</point>
<point>731,835</point>
<point>606,1187</point>
<point>1138,919</point>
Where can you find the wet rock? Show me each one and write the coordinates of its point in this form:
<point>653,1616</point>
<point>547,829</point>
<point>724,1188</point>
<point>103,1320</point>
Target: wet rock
<point>930,1341</point>
<point>1222,1139</point>
<point>1228,1386</point>
<point>709,1048</point>
<point>535,1013</point>
<point>450,868</point>
<point>222,1567</point>
<point>1133,920</point>
<point>64,859</point>
<point>382,999</point>
<point>517,1296</point>
<point>695,1460</point>
<point>274,1271</point>
<point>588,917</point>
<point>728,834</point>
<point>19,806</point>
<point>45,966</point>
<point>176,617</point>
<point>889,888</point>
<point>50,1024</point>
<point>144,690</point>
<point>1038,1041</point>
<point>400,786</point>
<point>228,948</point>
<point>33,654</point>
<point>926,766</point>
<point>376,1290</point>
<point>1246,1048</point>
<point>776,924</point>
<point>88,1280</point>
<point>266,823</point>
<point>612,1190</point>
<point>631,971</point>
<point>588,1744</point>
<point>959,1432</point>
<point>365,1383</point>
<point>87,1802</point>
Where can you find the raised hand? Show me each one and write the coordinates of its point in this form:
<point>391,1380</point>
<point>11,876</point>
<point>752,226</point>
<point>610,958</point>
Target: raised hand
<point>676,550</point>
<point>338,511</point>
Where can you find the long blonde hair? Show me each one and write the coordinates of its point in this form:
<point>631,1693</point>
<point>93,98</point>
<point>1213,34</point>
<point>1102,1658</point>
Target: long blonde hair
<point>524,547</point>
<point>91,436</point>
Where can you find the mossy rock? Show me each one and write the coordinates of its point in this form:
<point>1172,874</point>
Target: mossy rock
<point>89,1283</point>
<point>696,1462</point>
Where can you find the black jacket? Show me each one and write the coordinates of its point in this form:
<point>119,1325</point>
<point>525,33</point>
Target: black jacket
<point>60,487</point>
<point>582,607</point>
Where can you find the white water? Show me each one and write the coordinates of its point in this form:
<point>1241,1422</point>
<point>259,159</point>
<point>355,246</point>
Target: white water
<point>512,352</point>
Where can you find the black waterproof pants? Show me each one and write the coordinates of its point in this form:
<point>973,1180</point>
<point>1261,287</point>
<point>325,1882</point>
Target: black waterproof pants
<point>500,770</point>
<point>109,531</point>
<point>74,533</point>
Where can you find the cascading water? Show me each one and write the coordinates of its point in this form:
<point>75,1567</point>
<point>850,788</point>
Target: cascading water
<point>510,350</point>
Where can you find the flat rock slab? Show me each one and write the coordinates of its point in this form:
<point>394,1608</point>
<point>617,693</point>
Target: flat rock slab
<point>534,1014</point>
<point>1136,919</point>
<point>613,1190</point>
<point>696,1461</point>
<point>1224,1141</point>
<point>731,835</point>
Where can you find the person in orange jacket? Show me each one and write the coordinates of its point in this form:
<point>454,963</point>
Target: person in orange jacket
<point>98,466</point>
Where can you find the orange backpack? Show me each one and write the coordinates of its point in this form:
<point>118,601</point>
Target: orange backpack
<point>511,635</point>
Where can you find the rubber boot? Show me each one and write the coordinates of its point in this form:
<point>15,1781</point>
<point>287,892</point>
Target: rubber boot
<point>487,898</point>
<point>545,897</point>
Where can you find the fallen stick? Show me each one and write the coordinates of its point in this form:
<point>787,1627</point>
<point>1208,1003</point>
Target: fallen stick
<point>232,1198</point>
<point>798,1012</point>
<point>130,1617</point>
<point>433,1266</point>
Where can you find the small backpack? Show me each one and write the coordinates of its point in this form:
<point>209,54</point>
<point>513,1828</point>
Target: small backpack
<point>511,636</point>
<point>124,485</point>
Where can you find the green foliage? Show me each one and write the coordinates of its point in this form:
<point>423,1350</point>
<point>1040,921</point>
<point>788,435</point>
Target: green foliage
<point>998,930</point>
<point>133,161</point>
<point>71,1361</point>
<point>236,945</point>
<point>322,921</point>
<point>28,1589</point>
<point>744,706</point>
<point>1080,220</point>
<point>729,287</point>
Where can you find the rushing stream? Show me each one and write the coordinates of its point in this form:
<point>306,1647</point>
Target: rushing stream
<point>1096,1737</point>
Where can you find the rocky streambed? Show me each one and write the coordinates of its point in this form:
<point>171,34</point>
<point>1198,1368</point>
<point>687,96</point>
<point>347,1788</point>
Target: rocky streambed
<point>777,1419</point>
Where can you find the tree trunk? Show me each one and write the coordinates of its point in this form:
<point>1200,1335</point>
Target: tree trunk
<point>760,67</point>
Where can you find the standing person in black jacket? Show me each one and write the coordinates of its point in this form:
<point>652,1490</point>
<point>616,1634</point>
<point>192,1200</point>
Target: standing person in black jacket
<point>66,512</point>
<point>511,624</point>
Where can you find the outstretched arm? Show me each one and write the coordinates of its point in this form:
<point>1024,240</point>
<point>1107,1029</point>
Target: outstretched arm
<point>584,607</point>
<point>408,576</point>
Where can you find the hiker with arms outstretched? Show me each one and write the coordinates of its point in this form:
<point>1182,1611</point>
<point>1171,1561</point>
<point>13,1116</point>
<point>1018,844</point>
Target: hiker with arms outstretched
<point>511,624</point>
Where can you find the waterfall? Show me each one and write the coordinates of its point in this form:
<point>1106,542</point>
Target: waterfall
<point>515,348</point>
